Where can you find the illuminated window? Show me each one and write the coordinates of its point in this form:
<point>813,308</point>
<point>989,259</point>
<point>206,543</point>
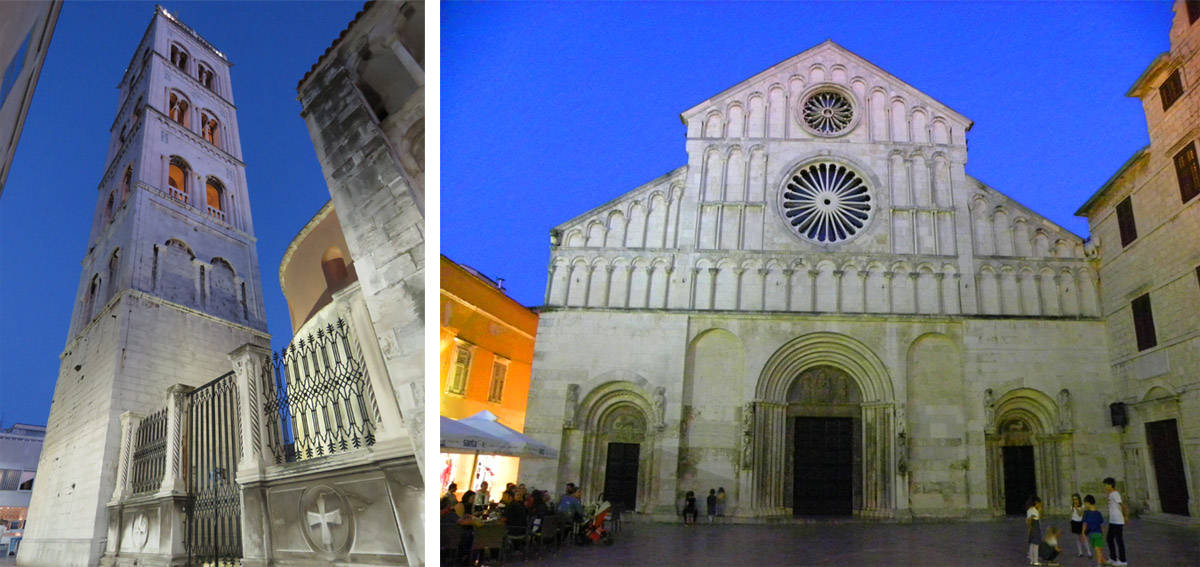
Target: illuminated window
<point>179,57</point>
<point>177,179</point>
<point>179,109</point>
<point>214,193</point>
<point>206,76</point>
<point>461,370</point>
<point>208,129</point>
<point>499,371</point>
<point>333,264</point>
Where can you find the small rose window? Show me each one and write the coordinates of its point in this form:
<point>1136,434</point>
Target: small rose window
<point>826,203</point>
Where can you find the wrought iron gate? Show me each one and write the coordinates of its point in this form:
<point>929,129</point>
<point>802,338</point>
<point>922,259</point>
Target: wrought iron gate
<point>214,523</point>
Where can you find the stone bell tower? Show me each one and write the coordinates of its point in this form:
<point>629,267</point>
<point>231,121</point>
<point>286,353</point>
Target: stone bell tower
<point>170,282</point>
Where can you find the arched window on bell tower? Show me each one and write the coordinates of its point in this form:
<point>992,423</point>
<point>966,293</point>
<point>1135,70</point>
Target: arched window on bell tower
<point>214,193</point>
<point>177,179</point>
<point>114,263</point>
<point>108,209</point>
<point>89,301</point>
<point>126,182</point>
<point>209,129</point>
<point>333,264</point>
<point>179,106</point>
<point>179,58</point>
<point>205,75</point>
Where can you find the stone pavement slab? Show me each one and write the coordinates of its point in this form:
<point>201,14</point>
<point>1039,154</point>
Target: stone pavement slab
<point>998,543</point>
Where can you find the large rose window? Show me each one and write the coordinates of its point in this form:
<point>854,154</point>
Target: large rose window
<point>826,202</point>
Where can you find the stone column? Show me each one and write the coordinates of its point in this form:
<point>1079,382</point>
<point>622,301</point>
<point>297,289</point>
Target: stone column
<point>389,425</point>
<point>129,426</point>
<point>177,411</point>
<point>248,363</point>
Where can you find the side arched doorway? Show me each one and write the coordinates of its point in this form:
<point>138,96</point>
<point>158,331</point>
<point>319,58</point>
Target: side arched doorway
<point>815,392</point>
<point>1029,451</point>
<point>618,454</point>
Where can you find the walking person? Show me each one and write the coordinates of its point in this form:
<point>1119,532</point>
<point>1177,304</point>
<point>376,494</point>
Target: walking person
<point>1118,515</point>
<point>711,504</point>
<point>1093,520</point>
<point>1081,544</point>
<point>1033,527</point>
<point>721,502</point>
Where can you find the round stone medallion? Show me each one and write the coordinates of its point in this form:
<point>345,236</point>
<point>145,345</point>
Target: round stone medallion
<point>326,520</point>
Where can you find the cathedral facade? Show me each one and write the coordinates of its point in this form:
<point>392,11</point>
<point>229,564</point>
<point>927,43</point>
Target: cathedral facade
<point>822,313</point>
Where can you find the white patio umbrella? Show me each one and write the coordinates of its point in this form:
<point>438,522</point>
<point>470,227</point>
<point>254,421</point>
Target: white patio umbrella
<point>519,445</point>
<point>459,437</point>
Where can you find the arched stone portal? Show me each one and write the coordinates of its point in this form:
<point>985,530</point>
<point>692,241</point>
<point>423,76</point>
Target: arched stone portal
<point>842,363</point>
<point>1026,436</point>
<point>620,427</point>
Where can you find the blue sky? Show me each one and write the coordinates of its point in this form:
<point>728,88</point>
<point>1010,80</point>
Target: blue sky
<point>47,205</point>
<point>549,110</point>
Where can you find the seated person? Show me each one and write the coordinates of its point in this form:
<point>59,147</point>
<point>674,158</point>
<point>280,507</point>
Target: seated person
<point>515,519</point>
<point>1048,550</point>
<point>570,506</point>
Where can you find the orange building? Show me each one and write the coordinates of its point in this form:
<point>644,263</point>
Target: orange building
<point>486,358</point>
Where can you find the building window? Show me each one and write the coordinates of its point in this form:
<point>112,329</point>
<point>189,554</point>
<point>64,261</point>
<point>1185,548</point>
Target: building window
<point>1143,323</point>
<point>1188,172</point>
<point>461,370</point>
<point>126,182</point>
<point>206,76</point>
<point>499,370</point>
<point>333,265</point>
<point>1171,90</point>
<point>177,179</point>
<point>11,480</point>
<point>214,193</point>
<point>179,109</point>
<point>27,480</point>
<point>208,129</point>
<point>179,58</point>
<point>1125,222</point>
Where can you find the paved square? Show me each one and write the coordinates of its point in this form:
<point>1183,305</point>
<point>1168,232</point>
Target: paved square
<point>853,544</point>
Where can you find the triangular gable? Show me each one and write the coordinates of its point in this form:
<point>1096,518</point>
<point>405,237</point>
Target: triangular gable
<point>824,47</point>
<point>1016,210</point>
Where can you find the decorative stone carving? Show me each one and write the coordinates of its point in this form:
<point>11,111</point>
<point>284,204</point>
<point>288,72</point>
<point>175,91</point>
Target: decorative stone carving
<point>327,521</point>
<point>1065,417</point>
<point>660,407</point>
<point>141,531</point>
<point>989,410</point>
<point>748,436</point>
<point>571,407</point>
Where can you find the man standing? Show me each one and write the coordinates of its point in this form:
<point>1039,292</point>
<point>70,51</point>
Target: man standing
<point>1117,513</point>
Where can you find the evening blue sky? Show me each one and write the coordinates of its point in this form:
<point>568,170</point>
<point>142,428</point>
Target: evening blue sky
<point>550,110</point>
<point>47,205</point>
